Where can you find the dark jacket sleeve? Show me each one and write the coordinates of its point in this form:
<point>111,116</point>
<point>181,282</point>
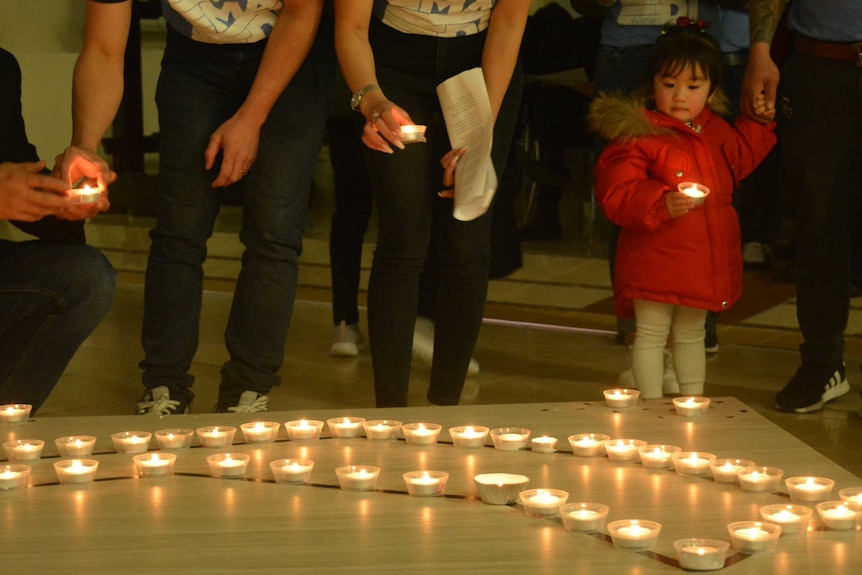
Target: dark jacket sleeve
<point>14,147</point>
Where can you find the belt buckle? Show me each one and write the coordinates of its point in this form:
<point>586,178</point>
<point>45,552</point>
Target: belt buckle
<point>858,47</point>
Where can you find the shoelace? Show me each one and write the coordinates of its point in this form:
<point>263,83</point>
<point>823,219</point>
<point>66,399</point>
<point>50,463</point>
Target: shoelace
<point>162,405</point>
<point>259,404</point>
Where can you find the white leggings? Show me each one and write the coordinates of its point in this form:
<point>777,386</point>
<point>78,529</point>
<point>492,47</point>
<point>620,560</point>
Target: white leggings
<point>686,326</point>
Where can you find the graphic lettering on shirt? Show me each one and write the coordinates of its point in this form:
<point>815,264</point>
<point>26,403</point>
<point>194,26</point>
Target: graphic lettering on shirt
<point>443,18</point>
<point>228,21</point>
<point>654,12</point>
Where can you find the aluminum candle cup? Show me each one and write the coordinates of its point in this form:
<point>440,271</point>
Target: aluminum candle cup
<point>701,554</point>
<point>759,478</point>
<point>657,456</point>
<point>694,190</point>
<point>693,463</point>
<point>792,518</point>
<point>228,465</point>
<point>468,436</point>
<point>75,445</point>
<point>588,444</point>
<point>588,517</point>
<point>809,489</point>
<point>421,433</point>
<point>357,477</point>
<point>542,502</point>
<point>425,483</point>
<point>510,438</point>
<point>621,398</point>
<point>260,431</point>
<point>155,464</point>
<point>216,435</point>
<point>345,427</point>
<point>14,476</point>
<point>754,536</point>
<point>691,406</point>
<point>24,450</point>
<point>837,515</point>
<point>724,470</point>
<point>15,412</point>
<point>500,488</point>
<point>176,438</point>
<point>624,450</point>
<point>76,471</point>
<point>291,470</point>
<point>634,534</point>
<point>381,429</point>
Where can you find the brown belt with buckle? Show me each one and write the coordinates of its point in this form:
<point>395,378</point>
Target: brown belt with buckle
<point>844,52</point>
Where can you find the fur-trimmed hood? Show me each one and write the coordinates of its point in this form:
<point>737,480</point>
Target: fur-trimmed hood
<point>615,117</point>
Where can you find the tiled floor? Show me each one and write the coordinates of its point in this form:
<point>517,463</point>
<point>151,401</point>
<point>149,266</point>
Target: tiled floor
<point>548,336</point>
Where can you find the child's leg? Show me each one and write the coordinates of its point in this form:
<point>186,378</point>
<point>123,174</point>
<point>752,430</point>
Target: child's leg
<point>689,357</point>
<point>653,324</point>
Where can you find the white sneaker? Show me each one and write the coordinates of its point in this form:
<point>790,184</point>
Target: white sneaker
<point>423,345</point>
<point>669,384</point>
<point>346,340</point>
<point>249,402</point>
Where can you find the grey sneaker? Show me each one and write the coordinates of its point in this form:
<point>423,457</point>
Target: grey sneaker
<point>423,345</point>
<point>346,340</point>
<point>157,401</point>
<point>249,402</point>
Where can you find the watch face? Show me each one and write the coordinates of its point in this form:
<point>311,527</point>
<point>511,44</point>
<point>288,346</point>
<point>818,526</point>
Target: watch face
<point>354,100</point>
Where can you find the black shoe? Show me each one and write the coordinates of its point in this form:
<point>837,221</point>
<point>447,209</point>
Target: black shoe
<point>157,401</point>
<point>811,387</point>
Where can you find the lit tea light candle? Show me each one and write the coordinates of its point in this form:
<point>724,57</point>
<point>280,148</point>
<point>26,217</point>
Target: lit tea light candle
<point>754,536</point>
<point>216,435</point>
<point>759,478</point>
<point>13,476</point>
<point>155,464</point>
<point>792,518</point>
<point>425,483</point>
<point>809,489</point>
<point>85,195</point>
<point>724,470</point>
<point>691,406</point>
<point>15,412</point>
<point>837,515</point>
<point>131,441</point>
<point>693,190</point>
<point>852,496</point>
<point>468,436</point>
<point>657,456</point>
<point>701,554</point>
<point>304,429</point>
<point>634,534</point>
<point>76,470</point>
<point>357,477</point>
<point>542,502</point>
<point>412,133</point>
<point>588,444</point>
<point>510,438</point>
<point>421,433</point>
<point>75,445</point>
<point>381,429</point>
<point>693,463</point>
<point>177,438</point>
<point>621,398</point>
<point>624,450</point>
<point>24,449</point>
<point>345,427</point>
<point>228,465</point>
<point>260,431</point>
<point>293,471</point>
<point>588,517</point>
<point>544,444</point>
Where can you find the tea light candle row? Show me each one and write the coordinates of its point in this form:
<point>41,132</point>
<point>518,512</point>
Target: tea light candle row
<point>15,412</point>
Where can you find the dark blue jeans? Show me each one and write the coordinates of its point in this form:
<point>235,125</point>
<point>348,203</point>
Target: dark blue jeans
<point>52,296</point>
<point>200,87</point>
<point>405,184</point>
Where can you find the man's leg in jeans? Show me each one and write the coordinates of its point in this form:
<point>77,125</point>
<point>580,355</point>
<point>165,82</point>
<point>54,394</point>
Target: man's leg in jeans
<point>52,296</point>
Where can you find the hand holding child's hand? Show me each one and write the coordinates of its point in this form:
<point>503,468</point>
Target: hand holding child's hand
<point>678,204</point>
<point>760,108</point>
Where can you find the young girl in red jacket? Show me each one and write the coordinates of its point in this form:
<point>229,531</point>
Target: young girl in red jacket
<point>676,257</point>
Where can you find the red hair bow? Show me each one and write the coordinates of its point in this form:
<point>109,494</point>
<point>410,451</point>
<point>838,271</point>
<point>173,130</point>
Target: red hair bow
<point>684,21</point>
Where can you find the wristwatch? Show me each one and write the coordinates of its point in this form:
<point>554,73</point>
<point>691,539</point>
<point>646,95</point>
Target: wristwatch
<point>357,95</point>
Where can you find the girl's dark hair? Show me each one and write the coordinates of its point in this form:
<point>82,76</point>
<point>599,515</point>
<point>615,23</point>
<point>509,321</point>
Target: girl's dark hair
<point>685,45</point>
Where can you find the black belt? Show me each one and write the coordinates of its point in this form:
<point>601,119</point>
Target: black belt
<point>739,58</point>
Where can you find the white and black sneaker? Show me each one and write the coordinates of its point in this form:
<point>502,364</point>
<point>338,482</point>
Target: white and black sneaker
<point>157,401</point>
<point>811,387</point>
<point>248,402</point>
